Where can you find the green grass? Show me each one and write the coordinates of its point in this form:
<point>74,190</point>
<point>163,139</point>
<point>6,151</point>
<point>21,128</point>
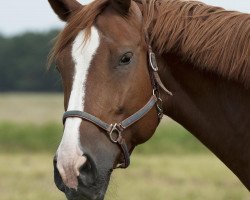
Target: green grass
<point>151,177</point>
<point>17,137</point>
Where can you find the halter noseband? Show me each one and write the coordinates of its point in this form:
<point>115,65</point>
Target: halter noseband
<point>114,131</point>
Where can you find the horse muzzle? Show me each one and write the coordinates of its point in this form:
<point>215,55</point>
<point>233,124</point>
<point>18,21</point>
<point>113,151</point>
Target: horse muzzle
<point>88,186</point>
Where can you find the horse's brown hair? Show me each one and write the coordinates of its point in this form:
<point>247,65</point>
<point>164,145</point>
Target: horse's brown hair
<point>209,37</point>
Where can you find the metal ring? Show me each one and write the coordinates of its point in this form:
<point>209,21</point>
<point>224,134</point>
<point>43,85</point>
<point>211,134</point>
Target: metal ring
<point>152,61</point>
<point>154,91</point>
<point>115,134</point>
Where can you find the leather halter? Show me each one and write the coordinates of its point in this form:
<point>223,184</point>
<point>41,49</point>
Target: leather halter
<point>114,131</point>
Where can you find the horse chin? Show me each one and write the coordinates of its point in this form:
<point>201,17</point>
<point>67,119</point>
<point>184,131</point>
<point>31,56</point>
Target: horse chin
<point>84,194</point>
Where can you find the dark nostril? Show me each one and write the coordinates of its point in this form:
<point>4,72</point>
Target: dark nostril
<point>88,172</point>
<point>57,177</point>
<point>86,166</point>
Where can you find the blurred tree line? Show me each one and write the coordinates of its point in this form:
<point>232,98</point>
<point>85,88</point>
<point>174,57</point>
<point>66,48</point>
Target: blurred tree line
<point>23,63</point>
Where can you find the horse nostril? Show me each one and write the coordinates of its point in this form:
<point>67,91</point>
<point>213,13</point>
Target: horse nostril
<point>83,173</point>
<point>86,167</point>
<point>88,172</point>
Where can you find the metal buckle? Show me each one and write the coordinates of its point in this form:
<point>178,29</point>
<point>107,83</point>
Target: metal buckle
<point>152,61</point>
<point>159,103</point>
<point>159,108</point>
<point>160,112</point>
<point>115,134</point>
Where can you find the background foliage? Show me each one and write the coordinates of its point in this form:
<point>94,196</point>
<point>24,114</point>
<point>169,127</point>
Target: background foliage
<point>23,61</point>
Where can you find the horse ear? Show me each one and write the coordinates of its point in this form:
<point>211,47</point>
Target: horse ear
<point>64,8</point>
<point>122,6</point>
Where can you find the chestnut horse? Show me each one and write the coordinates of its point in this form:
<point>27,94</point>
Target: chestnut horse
<point>203,56</point>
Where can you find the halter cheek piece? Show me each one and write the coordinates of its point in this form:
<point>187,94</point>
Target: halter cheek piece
<point>114,131</point>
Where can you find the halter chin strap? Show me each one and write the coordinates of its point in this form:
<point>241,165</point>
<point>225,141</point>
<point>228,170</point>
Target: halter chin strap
<point>114,131</point>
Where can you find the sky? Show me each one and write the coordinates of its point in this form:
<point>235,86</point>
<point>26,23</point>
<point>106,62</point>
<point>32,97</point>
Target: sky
<point>19,16</point>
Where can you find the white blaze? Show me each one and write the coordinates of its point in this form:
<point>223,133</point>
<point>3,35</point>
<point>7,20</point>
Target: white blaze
<point>69,153</point>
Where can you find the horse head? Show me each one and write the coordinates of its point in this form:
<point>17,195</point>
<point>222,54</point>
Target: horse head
<point>102,56</point>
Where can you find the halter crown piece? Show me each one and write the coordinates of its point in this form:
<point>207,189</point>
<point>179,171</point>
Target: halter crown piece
<point>114,131</point>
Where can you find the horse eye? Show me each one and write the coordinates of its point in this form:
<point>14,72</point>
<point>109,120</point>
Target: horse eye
<point>126,58</point>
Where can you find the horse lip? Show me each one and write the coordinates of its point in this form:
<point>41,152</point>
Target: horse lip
<point>82,194</point>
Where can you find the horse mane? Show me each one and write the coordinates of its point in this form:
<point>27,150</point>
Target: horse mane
<point>83,19</point>
<point>211,38</point>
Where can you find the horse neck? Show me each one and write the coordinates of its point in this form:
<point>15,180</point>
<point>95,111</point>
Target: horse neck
<point>213,109</point>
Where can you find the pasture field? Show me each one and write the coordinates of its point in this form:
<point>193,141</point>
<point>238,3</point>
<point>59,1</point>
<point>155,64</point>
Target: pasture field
<point>151,177</point>
<point>172,165</point>
<point>36,108</point>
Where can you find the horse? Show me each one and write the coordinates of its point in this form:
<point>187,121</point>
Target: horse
<point>125,63</point>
